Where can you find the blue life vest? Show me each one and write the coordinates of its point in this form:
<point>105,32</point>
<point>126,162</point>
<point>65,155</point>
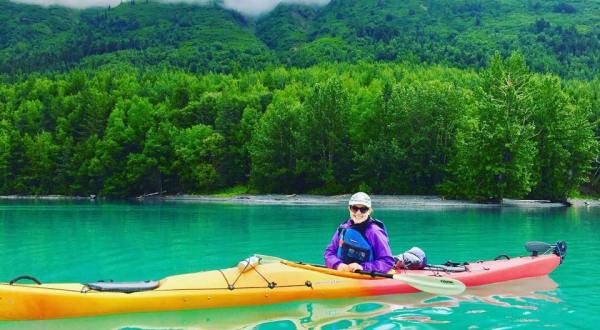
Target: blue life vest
<point>353,246</point>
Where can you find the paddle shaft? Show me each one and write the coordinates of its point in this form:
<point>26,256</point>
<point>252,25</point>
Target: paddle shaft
<point>430,284</point>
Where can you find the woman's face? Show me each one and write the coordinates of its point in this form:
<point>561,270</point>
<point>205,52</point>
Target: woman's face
<point>359,212</point>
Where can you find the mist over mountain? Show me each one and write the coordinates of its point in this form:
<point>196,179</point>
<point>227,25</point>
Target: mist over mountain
<point>70,3</point>
<point>229,35</point>
<point>246,7</point>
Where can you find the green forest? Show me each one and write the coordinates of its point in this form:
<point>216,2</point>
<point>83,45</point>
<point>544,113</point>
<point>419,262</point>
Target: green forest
<point>479,100</point>
<point>554,36</point>
<point>383,128</point>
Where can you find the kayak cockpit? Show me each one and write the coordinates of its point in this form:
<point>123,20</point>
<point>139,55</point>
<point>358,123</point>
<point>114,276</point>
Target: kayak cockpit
<point>125,287</point>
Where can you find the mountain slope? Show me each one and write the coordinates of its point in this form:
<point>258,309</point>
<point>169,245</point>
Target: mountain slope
<point>555,36</point>
<point>189,36</point>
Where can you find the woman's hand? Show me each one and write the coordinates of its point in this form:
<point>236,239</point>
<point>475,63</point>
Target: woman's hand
<point>343,267</point>
<point>349,268</point>
<point>354,267</point>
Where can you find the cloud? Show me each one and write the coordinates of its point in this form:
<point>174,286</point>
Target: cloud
<point>258,7</point>
<point>246,7</point>
<point>71,3</point>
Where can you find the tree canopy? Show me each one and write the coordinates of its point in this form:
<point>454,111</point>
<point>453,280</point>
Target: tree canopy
<point>330,128</point>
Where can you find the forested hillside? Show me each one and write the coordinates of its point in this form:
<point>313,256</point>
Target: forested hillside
<point>383,128</point>
<point>190,37</point>
<point>562,37</point>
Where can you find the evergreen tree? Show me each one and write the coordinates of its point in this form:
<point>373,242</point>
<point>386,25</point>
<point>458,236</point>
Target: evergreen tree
<point>274,147</point>
<point>565,140</point>
<point>495,151</point>
<point>197,150</point>
<point>324,138</point>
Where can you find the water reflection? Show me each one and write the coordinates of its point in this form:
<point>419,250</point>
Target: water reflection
<point>386,312</point>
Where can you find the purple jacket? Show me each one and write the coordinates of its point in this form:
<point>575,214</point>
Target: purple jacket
<point>377,238</point>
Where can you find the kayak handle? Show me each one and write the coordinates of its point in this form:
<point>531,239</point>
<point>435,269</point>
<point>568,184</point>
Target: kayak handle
<point>24,277</point>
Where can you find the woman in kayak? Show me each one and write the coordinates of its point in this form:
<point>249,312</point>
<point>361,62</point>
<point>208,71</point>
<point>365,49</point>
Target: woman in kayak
<point>361,242</point>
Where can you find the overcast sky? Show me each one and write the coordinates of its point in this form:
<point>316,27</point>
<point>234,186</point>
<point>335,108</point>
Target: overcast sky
<point>247,7</point>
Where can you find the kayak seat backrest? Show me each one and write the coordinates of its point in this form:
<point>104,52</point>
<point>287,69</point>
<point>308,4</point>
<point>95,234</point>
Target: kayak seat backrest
<point>126,287</point>
<point>538,247</point>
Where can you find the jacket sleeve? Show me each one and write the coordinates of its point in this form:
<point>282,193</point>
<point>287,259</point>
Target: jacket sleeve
<point>383,260</point>
<point>330,255</point>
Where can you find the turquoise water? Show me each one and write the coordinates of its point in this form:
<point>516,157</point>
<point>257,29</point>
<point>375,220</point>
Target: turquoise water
<point>88,241</point>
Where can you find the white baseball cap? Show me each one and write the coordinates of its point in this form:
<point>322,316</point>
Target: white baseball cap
<point>360,198</point>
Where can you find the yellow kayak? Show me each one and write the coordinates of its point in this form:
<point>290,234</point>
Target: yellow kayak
<point>265,283</point>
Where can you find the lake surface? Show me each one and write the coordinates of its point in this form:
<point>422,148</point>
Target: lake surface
<point>87,241</point>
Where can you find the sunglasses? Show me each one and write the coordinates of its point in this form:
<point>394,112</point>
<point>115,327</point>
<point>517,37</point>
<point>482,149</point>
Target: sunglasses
<point>355,209</point>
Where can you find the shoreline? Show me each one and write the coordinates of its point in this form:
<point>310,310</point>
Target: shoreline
<point>385,201</point>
